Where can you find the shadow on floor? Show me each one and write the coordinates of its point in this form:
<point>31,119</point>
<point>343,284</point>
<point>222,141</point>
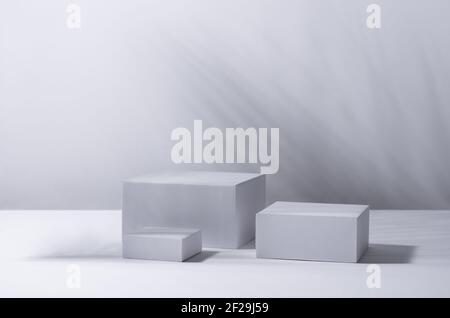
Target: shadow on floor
<point>388,254</point>
<point>248,246</point>
<point>65,258</point>
<point>201,257</point>
<point>105,252</point>
<point>108,253</point>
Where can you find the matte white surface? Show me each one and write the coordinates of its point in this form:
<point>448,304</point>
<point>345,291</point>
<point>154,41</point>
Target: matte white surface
<point>211,178</point>
<point>412,249</point>
<point>314,209</point>
<point>312,231</point>
<point>164,244</point>
<point>222,205</point>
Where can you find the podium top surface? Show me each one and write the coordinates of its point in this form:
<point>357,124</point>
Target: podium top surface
<point>164,232</point>
<point>315,209</point>
<point>196,178</point>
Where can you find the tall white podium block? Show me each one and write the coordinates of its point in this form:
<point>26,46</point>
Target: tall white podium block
<point>162,244</point>
<point>312,231</point>
<point>222,205</point>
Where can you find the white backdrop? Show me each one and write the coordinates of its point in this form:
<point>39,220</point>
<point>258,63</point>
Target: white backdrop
<point>363,114</point>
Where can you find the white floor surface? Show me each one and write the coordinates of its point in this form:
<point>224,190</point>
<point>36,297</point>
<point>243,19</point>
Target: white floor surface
<point>39,248</point>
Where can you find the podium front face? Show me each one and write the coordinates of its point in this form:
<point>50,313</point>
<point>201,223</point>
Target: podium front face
<point>162,244</point>
<point>313,231</point>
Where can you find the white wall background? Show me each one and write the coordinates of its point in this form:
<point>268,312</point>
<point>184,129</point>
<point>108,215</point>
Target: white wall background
<point>364,115</point>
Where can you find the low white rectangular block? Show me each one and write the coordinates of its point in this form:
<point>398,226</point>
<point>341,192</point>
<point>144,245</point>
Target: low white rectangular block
<point>312,231</point>
<point>163,244</point>
<point>222,205</point>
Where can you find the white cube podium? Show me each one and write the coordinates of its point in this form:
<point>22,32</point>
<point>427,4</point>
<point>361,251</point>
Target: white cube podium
<point>222,205</point>
<point>312,231</point>
<point>162,244</point>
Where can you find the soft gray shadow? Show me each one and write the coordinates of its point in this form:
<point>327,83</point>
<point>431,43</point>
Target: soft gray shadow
<point>76,258</point>
<point>248,246</point>
<point>111,251</point>
<point>388,254</point>
<point>201,257</point>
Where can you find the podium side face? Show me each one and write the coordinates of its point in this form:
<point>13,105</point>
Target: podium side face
<point>250,199</point>
<point>363,225</point>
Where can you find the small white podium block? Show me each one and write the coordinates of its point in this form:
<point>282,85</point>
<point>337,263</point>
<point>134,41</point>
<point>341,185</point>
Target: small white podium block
<point>162,244</point>
<point>222,205</point>
<point>312,231</point>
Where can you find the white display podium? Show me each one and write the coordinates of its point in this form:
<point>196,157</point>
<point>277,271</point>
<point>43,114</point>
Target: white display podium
<point>222,205</point>
<point>162,244</point>
<point>312,231</point>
